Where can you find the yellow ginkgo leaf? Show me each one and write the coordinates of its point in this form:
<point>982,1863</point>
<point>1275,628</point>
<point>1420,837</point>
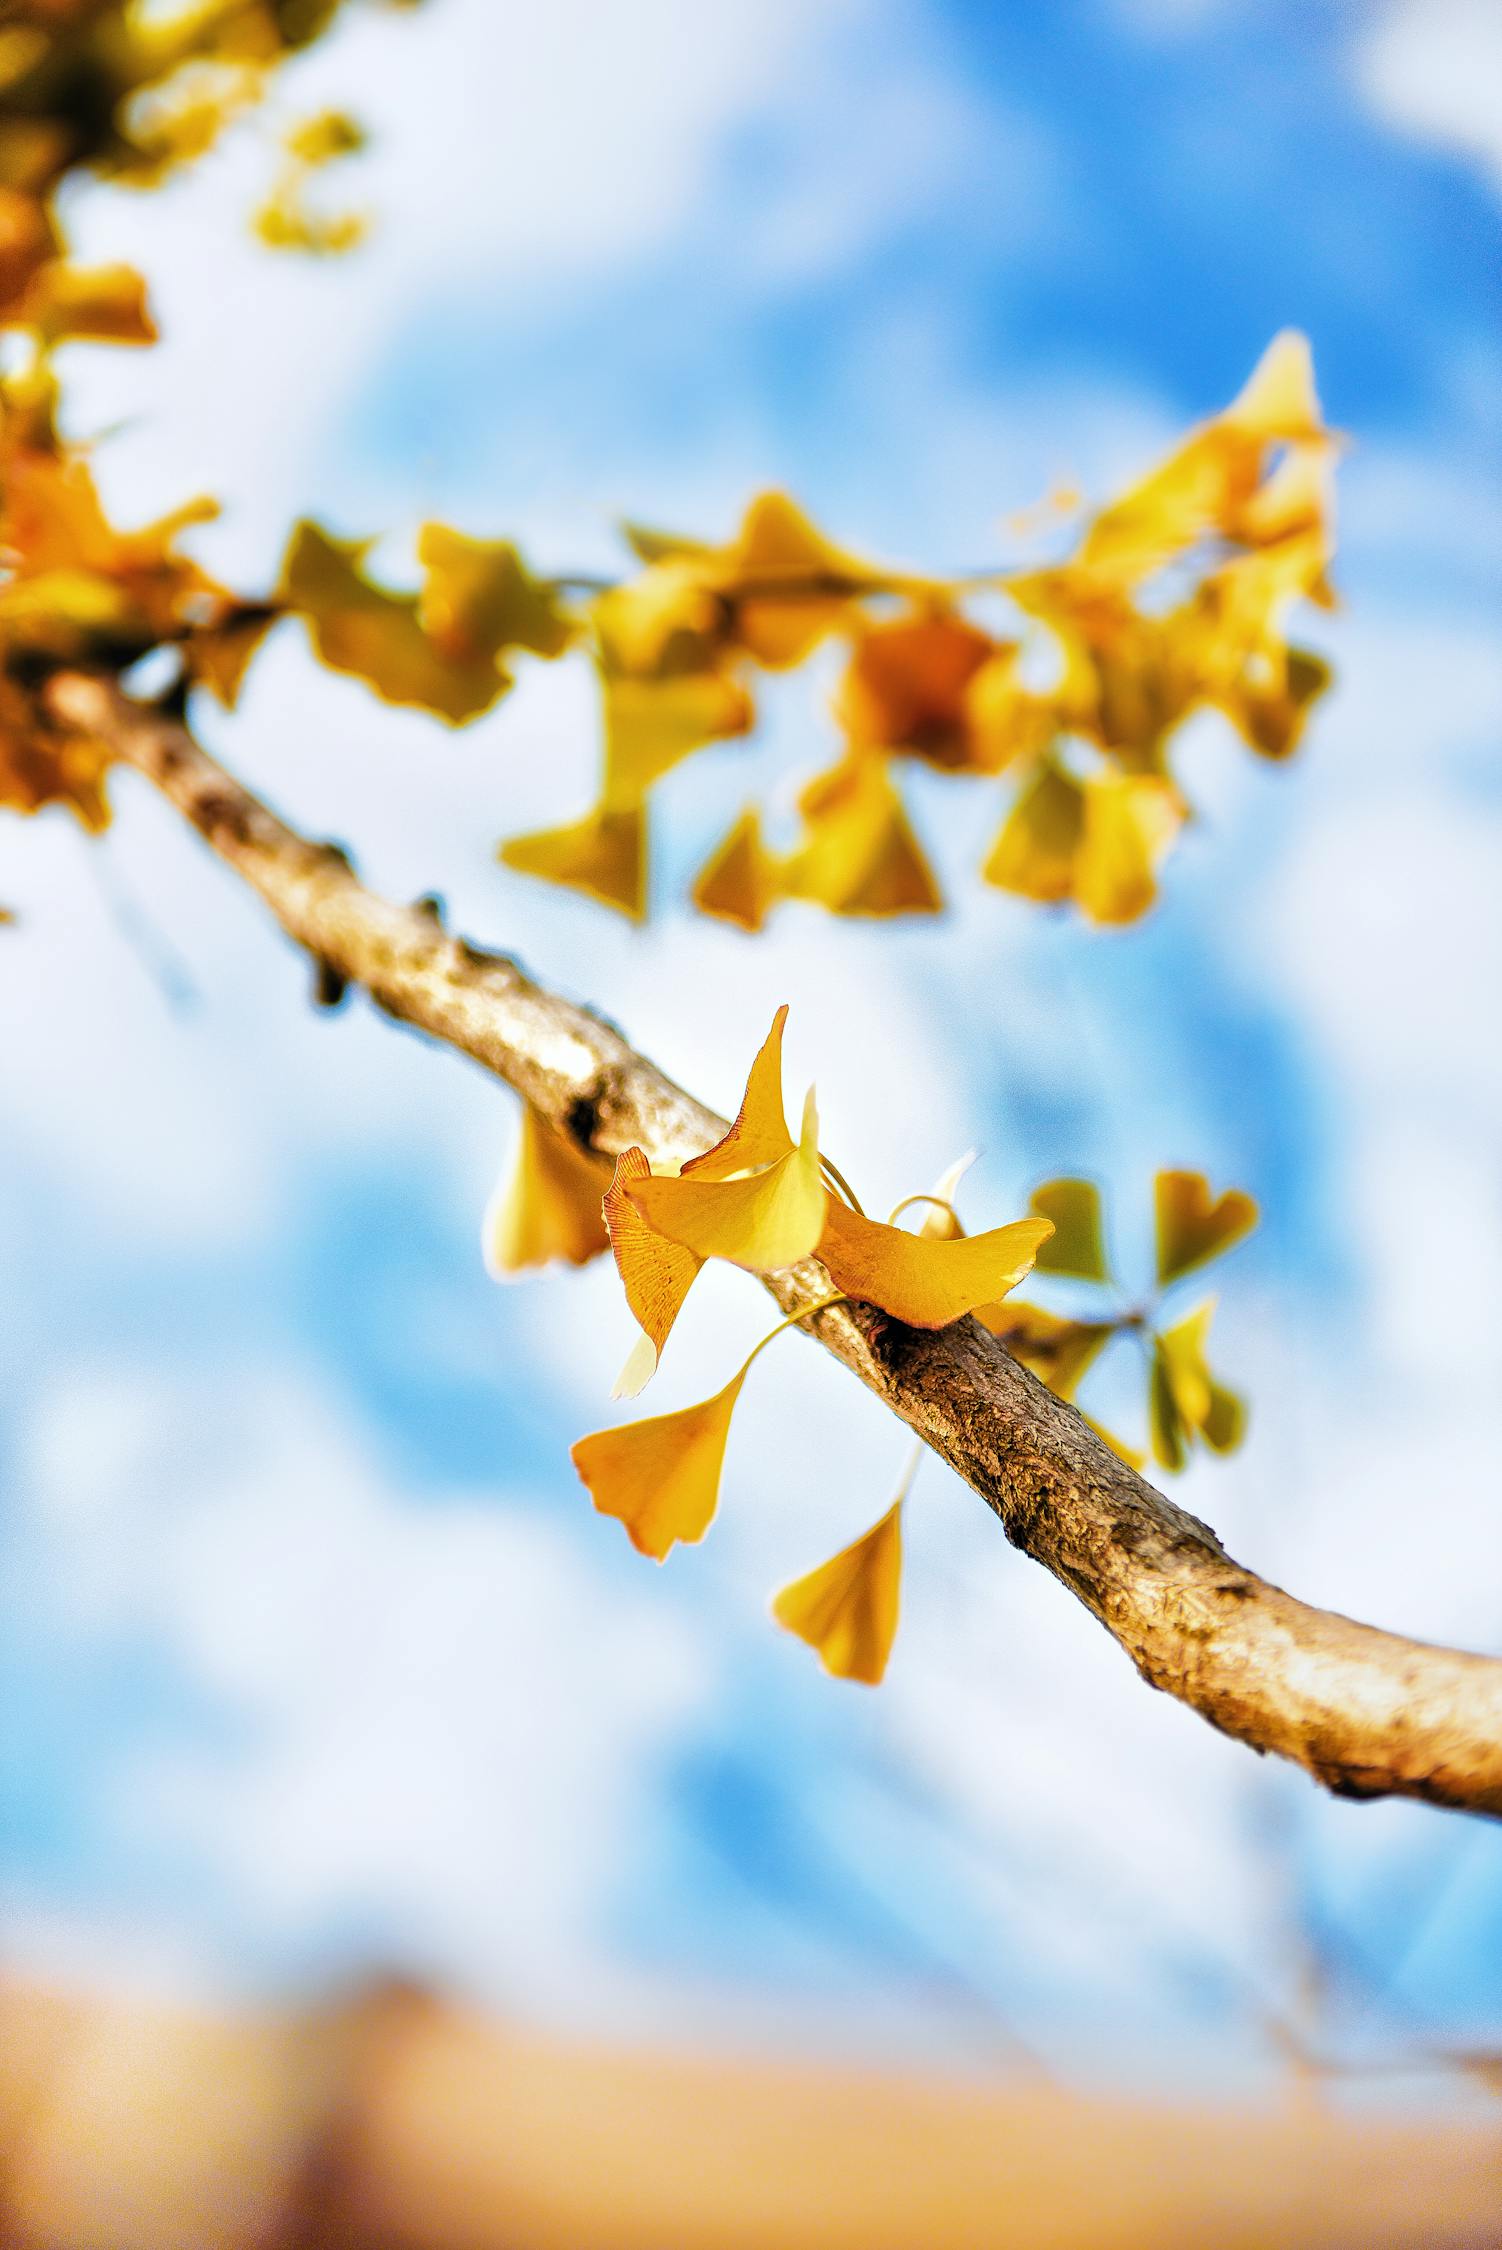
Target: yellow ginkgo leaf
<point>1183,1349</point>
<point>604,855</point>
<point>907,687</point>
<point>1006,721</point>
<point>777,541</point>
<point>479,598</point>
<point>1224,1425</point>
<point>1058,1350</point>
<point>654,721</point>
<point>1298,497</point>
<point>859,854</point>
<point>1034,855</point>
<point>364,629</point>
<point>1077,1245</point>
<point>1131,821</point>
<point>665,619</point>
<point>760,1133</point>
<point>1269,704</point>
<point>940,1218</point>
<point>740,882</point>
<point>1170,1438</point>
<point>1278,402</point>
<point>920,1280</point>
<point>661,1477</point>
<point>218,655</point>
<point>1186,1394</point>
<point>846,1610</point>
<point>548,1205</point>
<point>764,1220</point>
<point>89,304</point>
<point>1192,1227</point>
<point>656,1274</point>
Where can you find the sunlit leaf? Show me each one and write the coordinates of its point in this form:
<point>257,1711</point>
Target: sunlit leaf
<point>1170,1439</point>
<point>549,1204</point>
<point>740,882</point>
<point>1058,1350</point>
<point>656,1274</point>
<point>1034,855</point>
<point>1130,822</point>
<point>604,855</point>
<point>88,304</point>
<point>764,1220</point>
<point>361,628</point>
<point>759,1135</point>
<point>652,724</point>
<point>1077,1244</point>
<point>777,542</point>
<point>846,1610</point>
<point>1193,1228</point>
<point>921,1280</point>
<point>479,599</point>
<point>1202,1406</point>
<point>858,853</point>
<point>661,1476</point>
<point>907,687</point>
<point>1278,401</point>
<point>939,1217</point>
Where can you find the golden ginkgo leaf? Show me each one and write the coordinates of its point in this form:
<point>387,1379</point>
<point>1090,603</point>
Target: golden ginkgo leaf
<point>654,721</point>
<point>908,683</point>
<point>656,1274</point>
<point>919,1279</point>
<point>661,1476</point>
<point>858,854</point>
<point>604,855</point>
<point>88,304</point>
<point>479,599</point>
<point>776,541</point>
<point>1034,855</point>
<point>1077,1245</point>
<point>1057,1349</point>
<point>1185,1399</point>
<point>364,629</point>
<point>547,1206</point>
<point>940,1218</point>
<point>764,1220</point>
<point>740,881</point>
<point>846,1610</point>
<point>760,1133</point>
<point>1278,402</point>
<point>1193,1227</point>
<point>217,655</point>
<point>1130,823</point>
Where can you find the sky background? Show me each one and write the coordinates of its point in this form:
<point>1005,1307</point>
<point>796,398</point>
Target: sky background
<point>313,1657</point>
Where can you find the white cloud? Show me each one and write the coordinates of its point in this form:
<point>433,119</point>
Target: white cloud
<point>1433,68</point>
<point>444,1719</point>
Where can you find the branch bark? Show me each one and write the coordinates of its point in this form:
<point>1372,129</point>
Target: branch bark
<point>1366,1713</point>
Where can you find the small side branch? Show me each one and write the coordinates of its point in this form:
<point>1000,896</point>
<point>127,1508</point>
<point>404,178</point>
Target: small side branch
<point>1366,1713</point>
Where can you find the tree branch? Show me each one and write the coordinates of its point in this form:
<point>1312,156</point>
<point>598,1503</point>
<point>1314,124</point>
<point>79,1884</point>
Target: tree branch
<point>1364,1712</point>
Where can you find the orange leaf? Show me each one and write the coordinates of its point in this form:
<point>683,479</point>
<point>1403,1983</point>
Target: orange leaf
<point>914,1277</point>
<point>656,1274</point>
<point>847,1608</point>
<point>548,1206</point>
<point>661,1477</point>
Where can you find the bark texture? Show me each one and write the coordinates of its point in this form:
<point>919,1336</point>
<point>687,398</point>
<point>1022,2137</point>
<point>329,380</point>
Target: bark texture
<point>1365,1712</point>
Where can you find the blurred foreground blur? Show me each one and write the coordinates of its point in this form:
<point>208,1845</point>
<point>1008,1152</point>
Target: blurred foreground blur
<point>395,2121</point>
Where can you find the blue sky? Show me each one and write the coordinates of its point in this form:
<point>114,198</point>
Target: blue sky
<point>315,1658</point>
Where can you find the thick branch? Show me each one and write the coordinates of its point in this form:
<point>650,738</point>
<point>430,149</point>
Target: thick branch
<point>1366,1713</point>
